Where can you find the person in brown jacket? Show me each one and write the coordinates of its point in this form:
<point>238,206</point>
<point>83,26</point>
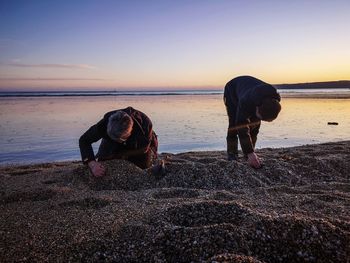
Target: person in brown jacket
<point>126,134</point>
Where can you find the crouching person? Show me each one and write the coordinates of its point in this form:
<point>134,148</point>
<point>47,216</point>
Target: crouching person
<point>126,134</point>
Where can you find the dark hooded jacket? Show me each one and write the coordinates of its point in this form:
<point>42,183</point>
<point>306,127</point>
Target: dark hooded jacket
<point>243,94</point>
<point>141,136</point>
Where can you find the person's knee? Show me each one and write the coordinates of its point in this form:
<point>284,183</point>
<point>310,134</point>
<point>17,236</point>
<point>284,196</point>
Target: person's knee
<point>232,133</point>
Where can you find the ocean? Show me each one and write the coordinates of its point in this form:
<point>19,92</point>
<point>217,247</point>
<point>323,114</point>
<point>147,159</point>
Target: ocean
<point>46,126</point>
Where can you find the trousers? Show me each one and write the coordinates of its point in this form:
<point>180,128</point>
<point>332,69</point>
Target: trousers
<point>231,104</point>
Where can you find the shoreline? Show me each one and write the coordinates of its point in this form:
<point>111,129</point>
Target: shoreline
<point>161,154</point>
<point>345,95</point>
<point>204,209</point>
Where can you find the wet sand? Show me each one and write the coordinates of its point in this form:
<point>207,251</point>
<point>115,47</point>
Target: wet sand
<point>205,209</point>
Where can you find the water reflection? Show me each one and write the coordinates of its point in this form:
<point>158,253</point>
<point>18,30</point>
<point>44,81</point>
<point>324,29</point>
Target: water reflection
<point>46,129</point>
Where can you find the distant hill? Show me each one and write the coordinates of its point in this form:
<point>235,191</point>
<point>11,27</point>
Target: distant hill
<point>341,84</point>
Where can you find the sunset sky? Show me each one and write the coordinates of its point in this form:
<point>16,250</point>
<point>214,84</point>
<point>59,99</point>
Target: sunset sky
<point>135,45</point>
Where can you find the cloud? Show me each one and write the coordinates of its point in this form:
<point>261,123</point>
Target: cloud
<point>74,66</point>
<point>48,79</point>
<point>15,60</point>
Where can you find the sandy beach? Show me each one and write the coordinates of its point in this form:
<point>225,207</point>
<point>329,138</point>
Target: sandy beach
<point>205,209</point>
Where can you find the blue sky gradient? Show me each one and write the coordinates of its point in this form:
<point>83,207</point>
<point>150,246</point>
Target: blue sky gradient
<point>170,44</point>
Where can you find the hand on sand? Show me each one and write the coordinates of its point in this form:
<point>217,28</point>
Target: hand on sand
<point>253,160</point>
<point>158,170</point>
<point>97,169</point>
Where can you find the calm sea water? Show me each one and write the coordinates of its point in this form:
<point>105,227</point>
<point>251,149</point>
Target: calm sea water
<point>43,129</point>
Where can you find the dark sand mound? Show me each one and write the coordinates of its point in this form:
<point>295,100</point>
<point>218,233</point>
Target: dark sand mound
<point>120,175</point>
<point>205,209</point>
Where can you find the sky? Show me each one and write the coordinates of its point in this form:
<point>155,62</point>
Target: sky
<point>136,45</point>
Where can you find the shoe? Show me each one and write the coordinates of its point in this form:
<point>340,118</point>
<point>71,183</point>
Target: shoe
<point>159,169</point>
<point>232,157</point>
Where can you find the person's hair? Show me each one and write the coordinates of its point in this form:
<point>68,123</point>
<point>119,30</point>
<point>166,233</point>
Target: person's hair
<point>269,109</point>
<point>119,125</point>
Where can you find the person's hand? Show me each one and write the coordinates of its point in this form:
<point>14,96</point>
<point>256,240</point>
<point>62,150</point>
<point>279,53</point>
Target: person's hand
<point>96,168</point>
<point>253,160</point>
<point>158,170</point>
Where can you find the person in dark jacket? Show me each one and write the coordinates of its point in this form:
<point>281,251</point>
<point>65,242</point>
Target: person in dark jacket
<point>126,134</point>
<point>248,100</point>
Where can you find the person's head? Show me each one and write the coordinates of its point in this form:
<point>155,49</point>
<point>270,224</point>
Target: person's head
<point>269,109</point>
<point>119,126</point>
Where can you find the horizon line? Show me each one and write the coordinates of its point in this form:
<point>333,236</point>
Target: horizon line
<point>148,88</point>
